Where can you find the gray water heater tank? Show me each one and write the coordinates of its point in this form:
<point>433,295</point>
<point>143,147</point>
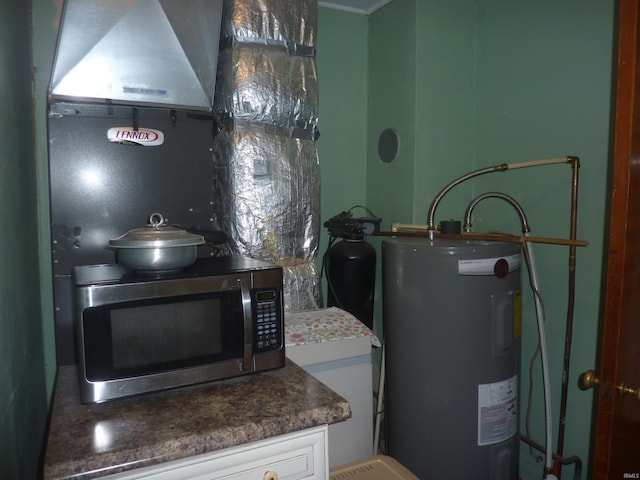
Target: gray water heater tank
<point>452,317</point>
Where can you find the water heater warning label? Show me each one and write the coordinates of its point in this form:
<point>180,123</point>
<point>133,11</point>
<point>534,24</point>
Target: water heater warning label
<point>497,411</point>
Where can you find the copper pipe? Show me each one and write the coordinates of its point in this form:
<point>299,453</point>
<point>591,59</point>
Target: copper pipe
<point>575,460</point>
<point>575,167</point>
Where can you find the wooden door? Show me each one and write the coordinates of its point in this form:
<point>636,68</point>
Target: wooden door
<point>616,452</point>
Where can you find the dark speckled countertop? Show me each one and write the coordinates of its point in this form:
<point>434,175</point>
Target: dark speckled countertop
<point>90,441</point>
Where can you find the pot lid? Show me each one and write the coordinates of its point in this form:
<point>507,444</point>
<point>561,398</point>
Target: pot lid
<point>156,235</point>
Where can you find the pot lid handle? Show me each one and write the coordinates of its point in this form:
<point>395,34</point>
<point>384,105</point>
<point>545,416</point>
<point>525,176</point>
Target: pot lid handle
<point>156,220</point>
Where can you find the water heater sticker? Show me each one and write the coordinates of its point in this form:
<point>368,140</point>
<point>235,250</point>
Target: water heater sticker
<point>145,137</point>
<point>497,411</point>
<point>485,266</point>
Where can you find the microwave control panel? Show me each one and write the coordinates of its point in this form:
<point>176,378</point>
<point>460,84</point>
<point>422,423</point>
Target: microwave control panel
<point>268,320</point>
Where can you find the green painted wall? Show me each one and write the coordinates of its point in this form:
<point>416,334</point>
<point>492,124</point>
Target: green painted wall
<point>46,18</point>
<point>342,65</point>
<point>445,38</point>
<point>475,83</point>
<point>23,395</point>
<point>391,105</point>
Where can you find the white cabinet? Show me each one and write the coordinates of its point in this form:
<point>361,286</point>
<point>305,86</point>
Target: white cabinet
<point>335,347</point>
<point>297,455</point>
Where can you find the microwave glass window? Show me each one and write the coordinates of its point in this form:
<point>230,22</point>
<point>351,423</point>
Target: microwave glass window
<point>147,335</point>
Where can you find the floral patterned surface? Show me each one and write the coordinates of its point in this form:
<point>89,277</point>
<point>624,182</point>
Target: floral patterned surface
<point>324,325</point>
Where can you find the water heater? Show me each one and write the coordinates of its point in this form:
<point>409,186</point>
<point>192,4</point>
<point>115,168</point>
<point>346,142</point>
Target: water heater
<point>452,322</point>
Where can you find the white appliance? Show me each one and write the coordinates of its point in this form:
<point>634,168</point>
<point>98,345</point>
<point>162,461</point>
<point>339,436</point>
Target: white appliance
<point>335,347</point>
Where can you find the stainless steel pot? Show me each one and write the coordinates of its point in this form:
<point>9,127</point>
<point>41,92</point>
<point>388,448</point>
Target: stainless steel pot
<point>157,247</point>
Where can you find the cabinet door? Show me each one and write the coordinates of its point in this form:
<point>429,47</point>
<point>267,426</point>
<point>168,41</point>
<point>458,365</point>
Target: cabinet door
<point>298,455</point>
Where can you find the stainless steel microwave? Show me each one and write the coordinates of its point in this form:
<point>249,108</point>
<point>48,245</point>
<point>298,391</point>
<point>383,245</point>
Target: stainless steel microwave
<point>219,318</point>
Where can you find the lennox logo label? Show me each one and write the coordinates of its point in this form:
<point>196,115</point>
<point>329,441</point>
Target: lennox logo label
<point>145,137</point>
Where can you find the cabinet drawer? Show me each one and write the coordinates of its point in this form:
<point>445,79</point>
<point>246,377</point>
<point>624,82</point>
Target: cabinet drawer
<point>297,455</point>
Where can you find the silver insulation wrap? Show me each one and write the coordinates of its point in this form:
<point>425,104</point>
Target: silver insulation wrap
<point>262,84</point>
<point>287,23</point>
<point>268,194</point>
<point>302,288</point>
<point>267,176</point>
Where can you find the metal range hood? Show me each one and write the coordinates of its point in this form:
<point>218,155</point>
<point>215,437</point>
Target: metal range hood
<point>138,52</point>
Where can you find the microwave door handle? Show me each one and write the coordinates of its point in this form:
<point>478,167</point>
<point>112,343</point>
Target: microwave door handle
<point>247,358</point>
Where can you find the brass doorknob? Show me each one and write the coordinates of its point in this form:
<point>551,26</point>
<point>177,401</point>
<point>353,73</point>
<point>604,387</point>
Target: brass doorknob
<point>589,379</point>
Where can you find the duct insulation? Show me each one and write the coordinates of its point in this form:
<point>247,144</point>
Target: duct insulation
<point>292,25</point>
<point>266,84</point>
<point>267,194</point>
<point>267,175</point>
<point>268,188</point>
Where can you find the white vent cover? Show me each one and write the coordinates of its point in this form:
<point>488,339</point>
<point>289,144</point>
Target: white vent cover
<point>378,467</point>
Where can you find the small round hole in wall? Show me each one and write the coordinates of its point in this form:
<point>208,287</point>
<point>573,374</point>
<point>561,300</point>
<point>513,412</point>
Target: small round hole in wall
<point>388,145</point>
